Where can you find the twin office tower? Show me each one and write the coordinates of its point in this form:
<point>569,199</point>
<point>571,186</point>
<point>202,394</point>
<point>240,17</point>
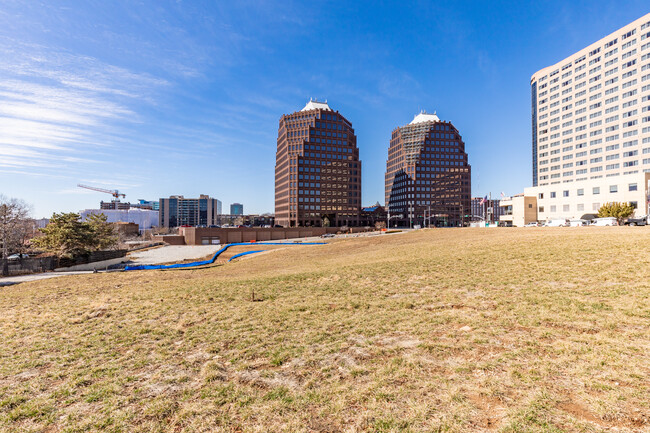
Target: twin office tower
<point>318,170</point>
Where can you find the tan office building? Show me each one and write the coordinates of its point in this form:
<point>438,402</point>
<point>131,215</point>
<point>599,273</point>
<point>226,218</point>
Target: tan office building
<point>427,173</point>
<point>518,210</point>
<point>591,125</point>
<point>317,169</point>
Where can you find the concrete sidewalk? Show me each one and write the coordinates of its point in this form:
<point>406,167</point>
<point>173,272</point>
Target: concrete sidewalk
<point>8,281</point>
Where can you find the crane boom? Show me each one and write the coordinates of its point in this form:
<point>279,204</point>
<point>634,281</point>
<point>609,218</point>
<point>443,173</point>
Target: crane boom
<point>115,193</point>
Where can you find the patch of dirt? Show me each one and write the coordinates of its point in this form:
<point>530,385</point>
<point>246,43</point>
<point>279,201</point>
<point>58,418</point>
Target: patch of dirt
<point>579,411</point>
<point>491,410</point>
<point>398,342</point>
<point>254,378</point>
<point>434,307</point>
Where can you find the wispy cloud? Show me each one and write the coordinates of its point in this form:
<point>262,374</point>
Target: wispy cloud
<point>60,110</point>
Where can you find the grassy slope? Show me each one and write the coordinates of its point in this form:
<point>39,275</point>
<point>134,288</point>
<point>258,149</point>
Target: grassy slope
<point>446,330</point>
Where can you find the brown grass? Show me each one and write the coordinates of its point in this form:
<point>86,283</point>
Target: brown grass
<point>511,330</point>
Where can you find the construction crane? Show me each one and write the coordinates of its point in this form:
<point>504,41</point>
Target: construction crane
<point>115,193</point>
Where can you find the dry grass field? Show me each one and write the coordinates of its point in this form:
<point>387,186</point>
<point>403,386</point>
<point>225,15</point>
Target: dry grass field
<point>447,330</point>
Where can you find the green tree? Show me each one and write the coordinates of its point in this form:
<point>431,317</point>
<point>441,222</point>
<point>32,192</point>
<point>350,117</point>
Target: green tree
<point>104,235</point>
<point>67,236</point>
<point>616,210</point>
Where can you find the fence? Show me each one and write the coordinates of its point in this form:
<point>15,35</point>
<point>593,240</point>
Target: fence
<point>95,256</point>
<point>28,266</point>
<point>44,264</point>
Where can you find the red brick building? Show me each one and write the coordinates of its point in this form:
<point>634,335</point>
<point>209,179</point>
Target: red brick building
<point>317,169</point>
<point>427,174</point>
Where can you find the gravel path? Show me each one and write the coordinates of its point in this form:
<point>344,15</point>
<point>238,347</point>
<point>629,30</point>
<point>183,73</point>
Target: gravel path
<point>172,253</point>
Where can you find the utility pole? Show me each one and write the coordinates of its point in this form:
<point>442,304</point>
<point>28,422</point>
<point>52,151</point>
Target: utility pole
<point>490,207</point>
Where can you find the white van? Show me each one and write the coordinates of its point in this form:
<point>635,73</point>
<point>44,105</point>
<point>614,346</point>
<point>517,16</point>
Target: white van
<point>578,223</point>
<point>557,223</point>
<point>606,221</point>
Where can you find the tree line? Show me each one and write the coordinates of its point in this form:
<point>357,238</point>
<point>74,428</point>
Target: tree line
<point>66,235</point>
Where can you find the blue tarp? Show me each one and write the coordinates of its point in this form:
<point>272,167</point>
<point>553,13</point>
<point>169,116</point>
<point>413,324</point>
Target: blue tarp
<point>214,258</point>
<point>244,254</point>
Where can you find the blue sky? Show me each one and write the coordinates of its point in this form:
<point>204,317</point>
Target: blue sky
<point>159,97</point>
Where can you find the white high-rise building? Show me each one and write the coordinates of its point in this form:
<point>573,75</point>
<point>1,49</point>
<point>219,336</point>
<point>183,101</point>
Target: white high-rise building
<point>591,126</point>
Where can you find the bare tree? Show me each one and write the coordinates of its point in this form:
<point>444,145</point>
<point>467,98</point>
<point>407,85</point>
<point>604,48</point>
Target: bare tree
<point>14,224</point>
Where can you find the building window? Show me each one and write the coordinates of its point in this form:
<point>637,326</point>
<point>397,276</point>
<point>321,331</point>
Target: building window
<point>581,207</point>
<point>541,208</point>
<point>540,195</point>
<point>565,208</point>
<point>632,187</point>
<point>565,193</point>
<point>613,188</point>
<point>553,208</point>
<point>530,206</point>
<point>634,204</point>
<point>553,194</point>
<point>595,206</point>
<point>581,191</point>
<point>596,190</point>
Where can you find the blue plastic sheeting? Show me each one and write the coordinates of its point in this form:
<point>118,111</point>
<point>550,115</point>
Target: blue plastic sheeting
<point>244,254</point>
<point>212,260</point>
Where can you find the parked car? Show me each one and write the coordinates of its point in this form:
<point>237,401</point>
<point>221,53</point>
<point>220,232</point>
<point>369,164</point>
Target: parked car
<point>559,222</point>
<point>533,224</point>
<point>578,223</point>
<point>606,221</point>
<point>327,235</point>
<point>640,221</point>
<point>18,256</point>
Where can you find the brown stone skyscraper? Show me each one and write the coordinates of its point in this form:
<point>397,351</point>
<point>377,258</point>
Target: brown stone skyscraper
<point>427,173</point>
<point>317,169</point>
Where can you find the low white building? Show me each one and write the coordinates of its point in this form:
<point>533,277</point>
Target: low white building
<point>572,200</point>
<point>575,200</point>
<point>144,218</point>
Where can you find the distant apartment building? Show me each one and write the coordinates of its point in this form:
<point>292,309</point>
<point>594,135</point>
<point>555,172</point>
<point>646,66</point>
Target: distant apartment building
<point>236,209</point>
<point>486,209</point>
<point>114,205</point>
<point>178,211</point>
<point>427,173</point>
<point>317,169</point>
<point>591,126</point>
